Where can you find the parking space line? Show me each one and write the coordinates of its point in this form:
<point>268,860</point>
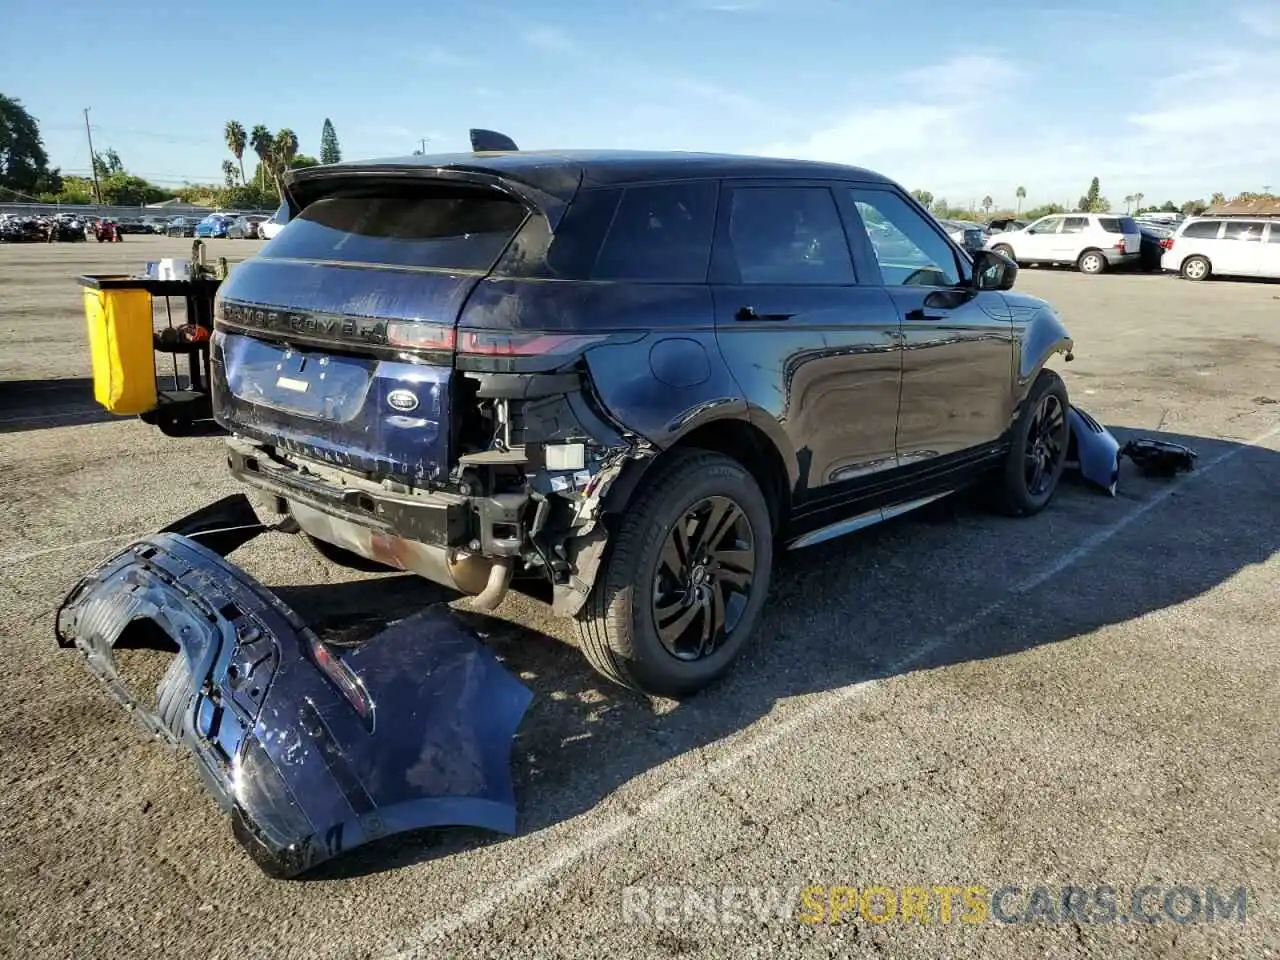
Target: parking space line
<point>544,873</point>
<point>21,557</point>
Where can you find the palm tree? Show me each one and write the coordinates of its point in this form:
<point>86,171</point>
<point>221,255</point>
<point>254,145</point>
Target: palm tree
<point>1128,201</point>
<point>229,173</point>
<point>284,150</point>
<point>1137,203</point>
<point>987,204</point>
<point>234,132</point>
<point>1021,194</point>
<point>262,143</point>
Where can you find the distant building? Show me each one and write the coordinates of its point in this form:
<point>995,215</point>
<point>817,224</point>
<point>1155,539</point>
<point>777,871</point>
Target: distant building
<point>1253,207</point>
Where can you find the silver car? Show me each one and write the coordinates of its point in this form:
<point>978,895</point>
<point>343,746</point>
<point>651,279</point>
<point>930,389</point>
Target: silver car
<point>971,236</point>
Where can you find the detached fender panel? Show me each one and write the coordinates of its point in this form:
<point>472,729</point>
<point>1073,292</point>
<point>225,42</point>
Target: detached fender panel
<point>312,749</point>
<point>1094,449</point>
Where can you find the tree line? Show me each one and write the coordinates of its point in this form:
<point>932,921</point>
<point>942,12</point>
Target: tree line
<point>25,174</point>
<point>1091,201</point>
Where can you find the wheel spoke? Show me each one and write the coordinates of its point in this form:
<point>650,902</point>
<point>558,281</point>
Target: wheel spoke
<point>712,620</point>
<point>717,521</point>
<point>673,631</point>
<point>664,612</point>
<point>675,551</point>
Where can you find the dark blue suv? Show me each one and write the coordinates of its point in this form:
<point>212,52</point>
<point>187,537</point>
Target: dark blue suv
<point>623,381</point>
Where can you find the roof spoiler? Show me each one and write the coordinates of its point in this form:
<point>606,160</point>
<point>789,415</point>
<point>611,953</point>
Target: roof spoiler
<point>484,141</point>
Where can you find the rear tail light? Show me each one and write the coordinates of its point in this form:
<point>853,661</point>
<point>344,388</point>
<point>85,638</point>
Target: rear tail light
<point>418,335</point>
<point>504,344</point>
<point>1167,243</point>
<point>344,678</point>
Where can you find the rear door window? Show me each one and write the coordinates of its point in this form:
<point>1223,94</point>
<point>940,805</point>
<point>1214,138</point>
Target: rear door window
<point>659,233</point>
<point>455,230</point>
<point>1202,229</point>
<point>785,235</point>
<point>1249,232</point>
<point>1274,236</point>
<point>1076,224</point>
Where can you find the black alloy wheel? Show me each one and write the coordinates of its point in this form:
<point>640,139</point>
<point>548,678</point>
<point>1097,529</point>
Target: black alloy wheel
<point>1046,444</point>
<point>704,578</point>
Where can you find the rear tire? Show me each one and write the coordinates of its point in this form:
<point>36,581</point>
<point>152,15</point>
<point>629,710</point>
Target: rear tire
<point>692,554</point>
<point>1004,250</point>
<point>1041,437</point>
<point>1092,262</point>
<point>1196,268</point>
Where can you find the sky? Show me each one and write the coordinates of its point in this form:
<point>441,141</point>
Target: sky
<point>1175,100</point>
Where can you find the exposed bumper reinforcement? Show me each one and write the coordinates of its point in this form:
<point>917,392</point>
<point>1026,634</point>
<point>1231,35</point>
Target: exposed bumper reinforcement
<point>312,749</point>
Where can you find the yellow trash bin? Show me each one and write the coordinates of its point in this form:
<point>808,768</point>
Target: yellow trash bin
<point>121,346</point>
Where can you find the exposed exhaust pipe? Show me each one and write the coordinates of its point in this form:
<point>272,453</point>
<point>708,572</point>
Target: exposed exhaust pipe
<point>496,587</point>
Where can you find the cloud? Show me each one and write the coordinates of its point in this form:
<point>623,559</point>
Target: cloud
<point>1263,20</point>
<point>437,56</point>
<point>550,40</point>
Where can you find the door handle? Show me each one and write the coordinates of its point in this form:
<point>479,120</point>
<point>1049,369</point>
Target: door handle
<point>749,313</point>
<point>919,314</point>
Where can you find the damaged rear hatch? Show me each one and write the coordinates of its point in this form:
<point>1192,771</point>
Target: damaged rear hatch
<point>312,749</point>
<point>337,341</point>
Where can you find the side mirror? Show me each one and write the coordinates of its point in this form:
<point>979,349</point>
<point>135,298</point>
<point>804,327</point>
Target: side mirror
<point>993,271</point>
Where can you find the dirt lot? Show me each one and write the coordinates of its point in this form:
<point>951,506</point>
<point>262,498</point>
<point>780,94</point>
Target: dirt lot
<point>1087,698</point>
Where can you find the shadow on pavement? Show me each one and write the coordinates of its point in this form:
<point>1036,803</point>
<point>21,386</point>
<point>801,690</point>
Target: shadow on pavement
<point>842,613</point>
<point>42,404</point>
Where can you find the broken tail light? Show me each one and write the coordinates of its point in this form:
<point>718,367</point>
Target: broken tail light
<point>344,678</point>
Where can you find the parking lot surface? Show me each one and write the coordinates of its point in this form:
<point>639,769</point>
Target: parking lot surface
<point>1090,697</point>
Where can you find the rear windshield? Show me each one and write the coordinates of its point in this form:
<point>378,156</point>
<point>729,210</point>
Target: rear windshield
<point>458,231</point>
<point>1204,229</point>
<point>1119,224</point>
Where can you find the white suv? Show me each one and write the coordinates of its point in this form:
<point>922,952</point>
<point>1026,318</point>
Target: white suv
<point>1227,246</point>
<point>1091,241</point>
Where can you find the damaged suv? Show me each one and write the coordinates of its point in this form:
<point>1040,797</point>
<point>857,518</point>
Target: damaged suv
<point>624,381</point>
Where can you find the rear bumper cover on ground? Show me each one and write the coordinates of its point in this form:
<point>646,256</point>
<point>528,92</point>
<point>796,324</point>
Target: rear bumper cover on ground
<point>273,716</point>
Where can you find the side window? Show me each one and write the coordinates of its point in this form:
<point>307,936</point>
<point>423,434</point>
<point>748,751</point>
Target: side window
<point>1251,232</point>
<point>1045,225</point>
<point>787,235</point>
<point>576,244</point>
<point>1274,236</point>
<point>1077,225</point>
<point>910,252</point>
<point>1202,229</point>
<point>660,233</point>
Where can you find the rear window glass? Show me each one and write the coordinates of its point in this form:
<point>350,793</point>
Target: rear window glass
<point>660,233</point>
<point>464,231</point>
<point>1203,229</point>
<point>1119,224</point>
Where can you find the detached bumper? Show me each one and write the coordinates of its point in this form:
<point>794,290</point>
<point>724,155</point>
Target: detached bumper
<point>312,749</point>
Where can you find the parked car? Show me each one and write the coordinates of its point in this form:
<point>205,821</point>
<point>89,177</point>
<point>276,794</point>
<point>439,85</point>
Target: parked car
<point>1005,224</point>
<point>1092,242</point>
<point>180,227</point>
<point>245,228</point>
<point>275,223</point>
<point>155,225</point>
<point>737,356</point>
<point>971,236</point>
<point>132,225</point>
<point>1155,240</point>
<point>1224,246</point>
<point>214,225</point>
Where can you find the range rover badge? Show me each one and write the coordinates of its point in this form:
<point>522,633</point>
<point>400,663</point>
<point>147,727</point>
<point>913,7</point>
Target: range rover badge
<point>403,400</point>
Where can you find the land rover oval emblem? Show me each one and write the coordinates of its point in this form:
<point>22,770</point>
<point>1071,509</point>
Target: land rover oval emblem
<point>403,400</point>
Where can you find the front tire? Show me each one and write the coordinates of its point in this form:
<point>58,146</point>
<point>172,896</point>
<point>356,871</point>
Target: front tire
<point>684,580</point>
<point>1196,268</point>
<point>1092,262</point>
<point>1004,250</point>
<point>1038,452</point>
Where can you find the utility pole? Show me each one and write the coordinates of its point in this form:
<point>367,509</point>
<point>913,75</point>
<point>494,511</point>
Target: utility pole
<point>422,145</point>
<point>93,159</point>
